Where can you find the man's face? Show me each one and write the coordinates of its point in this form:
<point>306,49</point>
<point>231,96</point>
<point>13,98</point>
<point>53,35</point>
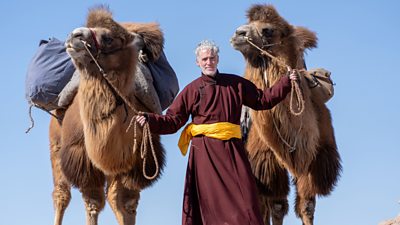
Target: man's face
<point>207,60</point>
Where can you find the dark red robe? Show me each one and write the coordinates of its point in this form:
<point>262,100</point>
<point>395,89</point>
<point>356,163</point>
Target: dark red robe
<point>220,187</point>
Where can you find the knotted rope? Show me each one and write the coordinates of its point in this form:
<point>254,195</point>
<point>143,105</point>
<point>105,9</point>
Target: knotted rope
<point>146,137</point>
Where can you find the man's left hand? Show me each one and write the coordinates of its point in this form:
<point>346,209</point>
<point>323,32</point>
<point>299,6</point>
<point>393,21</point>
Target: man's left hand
<point>294,75</point>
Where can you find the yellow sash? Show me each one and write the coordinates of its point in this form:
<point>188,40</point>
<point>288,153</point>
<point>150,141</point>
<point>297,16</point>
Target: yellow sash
<point>220,130</point>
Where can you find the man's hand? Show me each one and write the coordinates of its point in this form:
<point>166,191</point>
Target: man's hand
<point>141,119</point>
<point>294,75</point>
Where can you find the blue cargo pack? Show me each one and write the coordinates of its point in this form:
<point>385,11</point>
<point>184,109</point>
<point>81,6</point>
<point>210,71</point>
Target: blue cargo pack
<point>49,71</point>
<point>50,83</point>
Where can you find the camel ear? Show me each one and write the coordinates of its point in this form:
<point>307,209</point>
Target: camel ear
<point>305,39</point>
<point>152,35</point>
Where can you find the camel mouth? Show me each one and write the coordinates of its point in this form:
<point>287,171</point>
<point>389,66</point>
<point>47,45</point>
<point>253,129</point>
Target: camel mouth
<point>78,53</point>
<point>240,37</point>
<point>238,41</point>
<point>71,50</point>
<point>75,45</point>
<point>75,51</point>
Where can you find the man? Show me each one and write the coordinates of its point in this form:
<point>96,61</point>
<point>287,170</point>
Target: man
<point>219,187</point>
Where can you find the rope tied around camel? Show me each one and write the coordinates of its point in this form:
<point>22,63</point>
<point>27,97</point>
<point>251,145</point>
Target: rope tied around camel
<point>146,135</point>
<point>296,92</point>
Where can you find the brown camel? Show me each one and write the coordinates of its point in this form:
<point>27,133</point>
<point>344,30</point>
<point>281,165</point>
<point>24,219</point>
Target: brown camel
<point>91,148</point>
<point>278,140</point>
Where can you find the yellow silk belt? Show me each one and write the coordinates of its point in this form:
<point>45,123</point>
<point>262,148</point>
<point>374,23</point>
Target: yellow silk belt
<point>220,130</point>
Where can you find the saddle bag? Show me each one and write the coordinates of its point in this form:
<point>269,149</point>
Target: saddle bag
<point>164,80</point>
<point>320,82</point>
<point>49,71</point>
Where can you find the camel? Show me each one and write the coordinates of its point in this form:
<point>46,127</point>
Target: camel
<point>280,142</point>
<point>91,147</point>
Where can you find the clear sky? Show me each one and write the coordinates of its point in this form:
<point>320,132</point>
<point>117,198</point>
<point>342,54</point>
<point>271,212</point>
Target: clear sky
<point>358,43</point>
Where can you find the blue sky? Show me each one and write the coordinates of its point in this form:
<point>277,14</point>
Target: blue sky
<point>358,43</point>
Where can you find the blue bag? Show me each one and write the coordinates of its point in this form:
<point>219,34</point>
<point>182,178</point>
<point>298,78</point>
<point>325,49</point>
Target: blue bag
<point>164,80</point>
<point>50,69</point>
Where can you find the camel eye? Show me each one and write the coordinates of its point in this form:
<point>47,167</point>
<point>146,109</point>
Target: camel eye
<point>267,32</point>
<point>107,40</point>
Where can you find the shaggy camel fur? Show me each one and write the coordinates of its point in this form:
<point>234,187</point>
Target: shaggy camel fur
<point>279,141</point>
<point>90,148</point>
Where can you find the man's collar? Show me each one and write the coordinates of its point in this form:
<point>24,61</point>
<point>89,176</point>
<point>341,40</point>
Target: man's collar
<point>210,79</point>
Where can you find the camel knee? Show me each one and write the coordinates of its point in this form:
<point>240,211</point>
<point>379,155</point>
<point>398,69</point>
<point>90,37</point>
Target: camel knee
<point>305,209</point>
<point>92,208</point>
<point>131,205</point>
<point>309,208</point>
<point>61,196</point>
<point>279,209</point>
<point>122,199</point>
<point>94,201</point>
<point>129,200</point>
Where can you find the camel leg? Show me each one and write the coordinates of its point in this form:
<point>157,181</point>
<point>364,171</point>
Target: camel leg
<point>123,201</point>
<point>321,179</point>
<point>94,202</point>
<point>61,199</point>
<point>278,208</point>
<point>62,188</point>
<point>305,209</point>
<point>272,182</point>
<point>305,200</point>
<point>61,191</point>
<point>273,210</point>
<point>263,202</point>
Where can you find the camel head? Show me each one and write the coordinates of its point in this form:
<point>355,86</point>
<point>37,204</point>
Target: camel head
<point>107,41</point>
<point>272,33</point>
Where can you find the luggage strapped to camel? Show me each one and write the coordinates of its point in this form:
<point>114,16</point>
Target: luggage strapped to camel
<point>52,81</point>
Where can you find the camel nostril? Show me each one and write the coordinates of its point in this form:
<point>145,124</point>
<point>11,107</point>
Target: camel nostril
<point>77,35</point>
<point>240,33</point>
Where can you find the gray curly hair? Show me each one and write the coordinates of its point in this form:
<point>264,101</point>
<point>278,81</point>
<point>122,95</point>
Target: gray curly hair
<point>206,44</point>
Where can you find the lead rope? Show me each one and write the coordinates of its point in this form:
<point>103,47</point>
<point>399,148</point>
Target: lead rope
<point>292,148</point>
<point>295,90</point>
<point>146,137</point>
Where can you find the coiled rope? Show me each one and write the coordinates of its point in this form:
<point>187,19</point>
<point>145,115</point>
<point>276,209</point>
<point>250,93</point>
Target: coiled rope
<point>146,137</point>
